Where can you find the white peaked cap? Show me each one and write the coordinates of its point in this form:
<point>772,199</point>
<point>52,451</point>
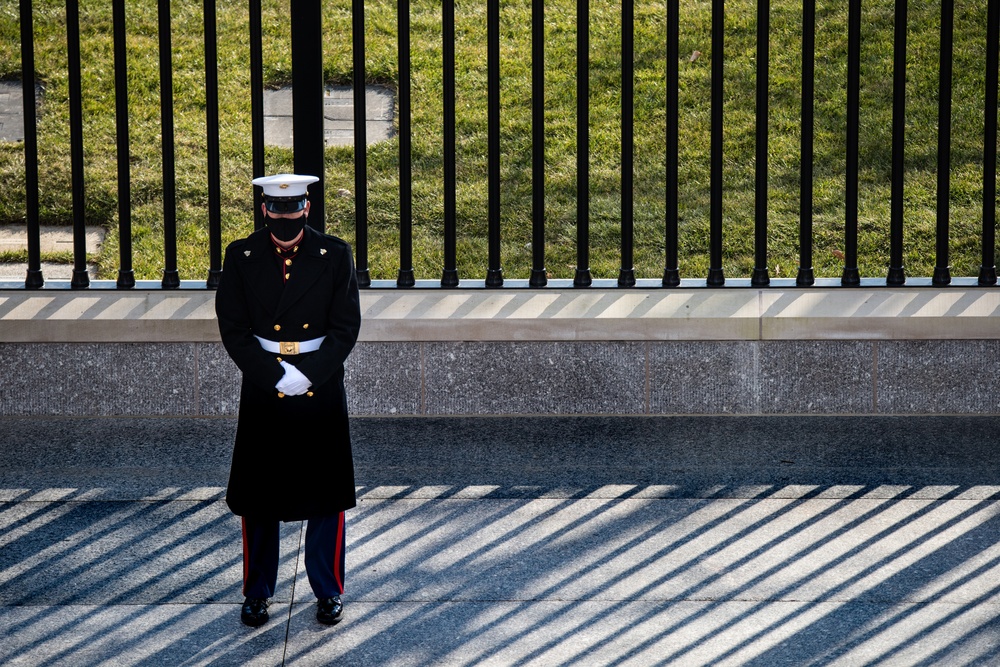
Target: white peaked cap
<point>285,185</point>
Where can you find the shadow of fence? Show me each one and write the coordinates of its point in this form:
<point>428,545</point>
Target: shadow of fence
<point>537,541</point>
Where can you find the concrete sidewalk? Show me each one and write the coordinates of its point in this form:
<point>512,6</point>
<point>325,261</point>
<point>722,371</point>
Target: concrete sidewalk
<point>51,239</point>
<point>520,541</point>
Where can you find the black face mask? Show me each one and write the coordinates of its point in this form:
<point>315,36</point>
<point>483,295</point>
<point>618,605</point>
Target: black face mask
<point>285,229</point>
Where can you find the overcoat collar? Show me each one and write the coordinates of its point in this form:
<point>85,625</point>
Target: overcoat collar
<point>309,264</point>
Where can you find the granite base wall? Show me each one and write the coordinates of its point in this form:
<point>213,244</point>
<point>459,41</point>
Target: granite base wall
<point>438,378</point>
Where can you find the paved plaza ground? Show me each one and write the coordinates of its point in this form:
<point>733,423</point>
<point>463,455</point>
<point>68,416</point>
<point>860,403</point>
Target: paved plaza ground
<point>520,541</point>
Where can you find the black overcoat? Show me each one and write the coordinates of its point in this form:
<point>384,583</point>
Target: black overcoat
<point>292,456</point>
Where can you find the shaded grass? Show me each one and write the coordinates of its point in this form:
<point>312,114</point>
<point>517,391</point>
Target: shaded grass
<point>560,149</point>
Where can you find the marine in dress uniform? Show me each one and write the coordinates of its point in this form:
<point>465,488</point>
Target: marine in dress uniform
<point>289,315</point>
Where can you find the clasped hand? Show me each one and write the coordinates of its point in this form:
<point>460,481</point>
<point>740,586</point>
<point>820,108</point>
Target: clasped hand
<point>293,382</point>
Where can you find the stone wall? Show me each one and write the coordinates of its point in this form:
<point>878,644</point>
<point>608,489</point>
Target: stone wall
<point>836,351</point>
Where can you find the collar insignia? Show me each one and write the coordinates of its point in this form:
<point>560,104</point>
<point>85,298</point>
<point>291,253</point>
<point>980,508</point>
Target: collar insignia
<point>246,252</point>
<point>322,251</point>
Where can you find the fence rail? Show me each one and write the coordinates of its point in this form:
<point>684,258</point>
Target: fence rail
<point>309,156</point>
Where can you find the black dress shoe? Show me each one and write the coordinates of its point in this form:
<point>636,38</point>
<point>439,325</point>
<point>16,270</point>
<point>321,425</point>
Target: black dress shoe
<point>254,612</point>
<point>329,610</point>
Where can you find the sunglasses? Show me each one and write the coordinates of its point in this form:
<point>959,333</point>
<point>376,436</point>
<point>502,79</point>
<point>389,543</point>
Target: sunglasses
<point>285,205</point>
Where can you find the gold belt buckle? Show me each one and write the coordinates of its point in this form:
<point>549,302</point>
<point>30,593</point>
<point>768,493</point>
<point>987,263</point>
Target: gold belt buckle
<point>289,347</point>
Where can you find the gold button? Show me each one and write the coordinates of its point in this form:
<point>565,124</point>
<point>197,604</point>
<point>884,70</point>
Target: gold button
<point>277,327</point>
<point>309,393</point>
<point>279,359</point>
<point>305,326</point>
<point>280,395</point>
<point>288,262</point>
<point>287,276</point>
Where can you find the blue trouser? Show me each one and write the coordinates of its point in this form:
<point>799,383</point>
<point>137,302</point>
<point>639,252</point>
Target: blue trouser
<point>324,557</point>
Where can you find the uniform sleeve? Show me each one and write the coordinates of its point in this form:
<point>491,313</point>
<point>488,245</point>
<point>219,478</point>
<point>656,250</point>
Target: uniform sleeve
<point>343,323</point>
<point>233,312</point>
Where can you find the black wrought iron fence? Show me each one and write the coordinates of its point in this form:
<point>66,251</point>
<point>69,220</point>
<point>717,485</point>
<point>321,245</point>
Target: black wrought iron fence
<point>309,156</point>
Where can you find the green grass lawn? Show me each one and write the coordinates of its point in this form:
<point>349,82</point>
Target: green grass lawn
<point>560,152</point>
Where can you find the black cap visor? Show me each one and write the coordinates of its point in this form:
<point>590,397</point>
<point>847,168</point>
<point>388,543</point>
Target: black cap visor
<point>284,204</point>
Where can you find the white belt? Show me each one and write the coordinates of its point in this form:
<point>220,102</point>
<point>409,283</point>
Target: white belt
<point>291,347</point>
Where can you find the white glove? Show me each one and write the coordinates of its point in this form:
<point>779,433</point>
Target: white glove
<point>293,382</point>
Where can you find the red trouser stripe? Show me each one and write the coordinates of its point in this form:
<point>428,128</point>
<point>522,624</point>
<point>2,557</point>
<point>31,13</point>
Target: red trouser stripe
<point>338,560</point>
<point>246,554</point>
